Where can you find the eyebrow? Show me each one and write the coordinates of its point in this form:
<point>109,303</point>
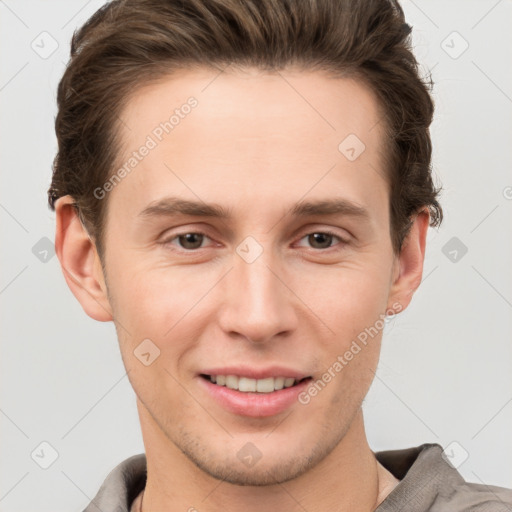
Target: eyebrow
<point>173,206</point>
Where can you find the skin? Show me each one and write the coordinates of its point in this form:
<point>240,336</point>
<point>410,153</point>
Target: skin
<point>257,143</point>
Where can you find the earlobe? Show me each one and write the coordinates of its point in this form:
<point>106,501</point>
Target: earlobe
<point>80,261</point>
<point>409,263</point>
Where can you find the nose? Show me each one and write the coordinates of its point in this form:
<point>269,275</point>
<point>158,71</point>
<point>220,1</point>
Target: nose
<point>258,303</point>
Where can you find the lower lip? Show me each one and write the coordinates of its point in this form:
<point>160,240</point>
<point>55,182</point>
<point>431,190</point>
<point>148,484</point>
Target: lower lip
<point>255,405</point>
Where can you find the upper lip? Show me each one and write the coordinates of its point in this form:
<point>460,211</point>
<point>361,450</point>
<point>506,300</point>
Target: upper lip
<point>256,373</point>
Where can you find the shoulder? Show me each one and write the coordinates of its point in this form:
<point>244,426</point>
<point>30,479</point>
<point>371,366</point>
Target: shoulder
<point>121,486</point>
<point>473,497</point>
<point>429,482</point>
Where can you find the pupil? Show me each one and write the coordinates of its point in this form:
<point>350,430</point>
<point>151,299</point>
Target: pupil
<point>187,241</point>
<point>320,237</point>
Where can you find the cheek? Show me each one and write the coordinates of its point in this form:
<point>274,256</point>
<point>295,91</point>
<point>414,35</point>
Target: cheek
<point>155,313</point>
<point>168,306</point>
<point>347,299</point>
<point>153,301</point>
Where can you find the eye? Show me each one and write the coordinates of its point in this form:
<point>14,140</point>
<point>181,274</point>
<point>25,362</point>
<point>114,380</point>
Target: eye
<point>322,239</point>
<point>187,241</point>
<point>191,241</point>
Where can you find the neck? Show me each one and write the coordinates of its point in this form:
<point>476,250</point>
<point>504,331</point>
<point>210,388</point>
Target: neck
<point>347,479</point>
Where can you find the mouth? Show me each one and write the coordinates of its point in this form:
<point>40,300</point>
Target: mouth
<point>250,385</point>
<point>253,392</point>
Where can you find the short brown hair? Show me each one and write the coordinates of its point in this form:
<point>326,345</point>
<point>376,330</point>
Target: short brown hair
<point>128,43</point>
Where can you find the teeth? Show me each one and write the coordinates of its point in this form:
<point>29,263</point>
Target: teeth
<point>247,385</point>
<point>289,382</point>
<point>279,383</point>
<point>231,382</point>
<point>265,385</point>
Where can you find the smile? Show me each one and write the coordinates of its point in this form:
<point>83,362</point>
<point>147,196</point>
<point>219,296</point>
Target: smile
<point>248,385</point>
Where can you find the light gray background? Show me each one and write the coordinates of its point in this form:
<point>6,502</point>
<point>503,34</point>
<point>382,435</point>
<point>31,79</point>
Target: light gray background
<point>446,370</point>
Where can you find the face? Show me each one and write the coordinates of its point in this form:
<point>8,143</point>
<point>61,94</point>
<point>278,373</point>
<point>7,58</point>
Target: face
<point>246,247</point>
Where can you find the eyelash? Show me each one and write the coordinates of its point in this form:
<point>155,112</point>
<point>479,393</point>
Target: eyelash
<point>342,241</point>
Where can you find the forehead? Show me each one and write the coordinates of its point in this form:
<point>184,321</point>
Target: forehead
<point>285,103</point>
<point>248,137</point>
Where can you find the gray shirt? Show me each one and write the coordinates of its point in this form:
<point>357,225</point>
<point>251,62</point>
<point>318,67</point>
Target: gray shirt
<point>427,483</point>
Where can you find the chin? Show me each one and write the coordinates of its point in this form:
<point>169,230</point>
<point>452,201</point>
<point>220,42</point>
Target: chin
<point>261,474</point>
<point>247,466</point>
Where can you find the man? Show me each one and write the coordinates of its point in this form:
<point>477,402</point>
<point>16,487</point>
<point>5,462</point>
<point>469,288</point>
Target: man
<point>244,189</point>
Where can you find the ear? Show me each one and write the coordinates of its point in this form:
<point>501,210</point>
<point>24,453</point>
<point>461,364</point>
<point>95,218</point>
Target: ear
<point>408,267</point>
<point>80,262</point>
